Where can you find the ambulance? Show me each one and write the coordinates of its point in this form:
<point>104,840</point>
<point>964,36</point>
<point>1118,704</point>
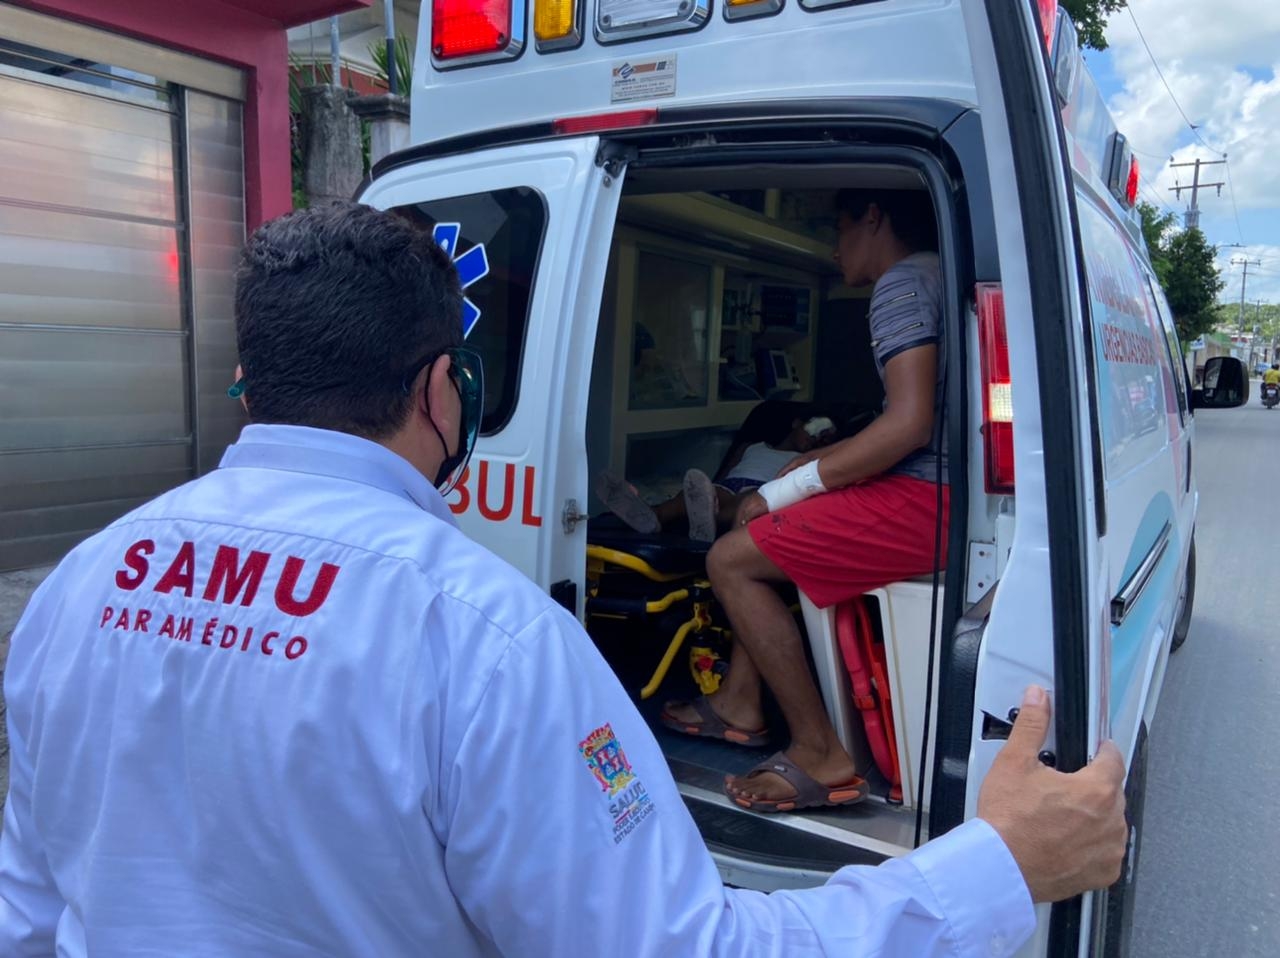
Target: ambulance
<point>638,198</point>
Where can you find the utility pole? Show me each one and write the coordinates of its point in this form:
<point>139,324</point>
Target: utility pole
<point>1257,325</point>
<point>1244,282</point>
<point>389,20</point>
<point>1191,219</point>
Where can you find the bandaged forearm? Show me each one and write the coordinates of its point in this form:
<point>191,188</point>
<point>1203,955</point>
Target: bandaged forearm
<point>795,486</point>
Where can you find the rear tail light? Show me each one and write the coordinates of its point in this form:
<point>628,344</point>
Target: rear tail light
<point>467,28</point>
<point>1048,21</point>
<point>997,389</point>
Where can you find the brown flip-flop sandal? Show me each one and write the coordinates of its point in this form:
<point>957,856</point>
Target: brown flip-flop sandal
<point>810,793</point>
<point>711,725</point>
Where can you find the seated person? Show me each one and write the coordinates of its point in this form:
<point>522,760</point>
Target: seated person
<point>1272,376</point>
<point>866,511</point>
<point>708,507</point>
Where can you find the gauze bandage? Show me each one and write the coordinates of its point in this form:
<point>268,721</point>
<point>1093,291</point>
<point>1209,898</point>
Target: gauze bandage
<point>816,426</point>
<point>795,486</point>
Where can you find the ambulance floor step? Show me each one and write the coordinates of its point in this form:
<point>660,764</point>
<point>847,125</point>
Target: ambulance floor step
<point>765,842</point>
<point>867,832</point>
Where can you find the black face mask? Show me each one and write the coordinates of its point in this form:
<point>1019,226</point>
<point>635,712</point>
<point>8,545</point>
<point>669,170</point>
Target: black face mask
<point>467,373</point>
<point>452,463</point>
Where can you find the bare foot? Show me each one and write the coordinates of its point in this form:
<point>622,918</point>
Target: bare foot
<point>831,767</point>
<point>733,714</point>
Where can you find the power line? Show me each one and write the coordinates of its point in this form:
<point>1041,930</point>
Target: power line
<point>1231,191</point>
<point>1164,157</point>
<point>1155,197</point>
<point>1168,89</point>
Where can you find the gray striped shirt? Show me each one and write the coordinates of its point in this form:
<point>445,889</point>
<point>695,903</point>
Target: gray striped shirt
<point>906,312</point>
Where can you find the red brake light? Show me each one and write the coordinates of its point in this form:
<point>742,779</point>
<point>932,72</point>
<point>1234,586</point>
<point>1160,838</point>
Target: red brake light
<point>997,389</point>
<point>462,28</point>
<point>1048,21</point>
<point>1131,187</point>
<point>624,119</point>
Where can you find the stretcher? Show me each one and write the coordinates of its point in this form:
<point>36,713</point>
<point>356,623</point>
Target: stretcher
<point>658,581</point>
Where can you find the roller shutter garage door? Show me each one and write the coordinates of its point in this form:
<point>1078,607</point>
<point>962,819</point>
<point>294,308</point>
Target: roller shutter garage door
<point>121,214</point>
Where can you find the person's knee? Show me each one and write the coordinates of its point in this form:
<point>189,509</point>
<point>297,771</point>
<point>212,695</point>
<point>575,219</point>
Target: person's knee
<point>721,565</point>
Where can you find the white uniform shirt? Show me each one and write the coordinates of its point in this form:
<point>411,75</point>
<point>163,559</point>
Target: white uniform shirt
<point>289,710</point>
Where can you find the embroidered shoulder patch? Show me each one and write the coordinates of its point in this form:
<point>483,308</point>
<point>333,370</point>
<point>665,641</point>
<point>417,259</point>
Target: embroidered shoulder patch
<point>629,802</point>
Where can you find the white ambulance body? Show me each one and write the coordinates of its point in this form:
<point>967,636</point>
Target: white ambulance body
<point>637,195</point>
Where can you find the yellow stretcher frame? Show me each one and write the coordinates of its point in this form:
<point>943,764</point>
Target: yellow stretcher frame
<point>598,557</point>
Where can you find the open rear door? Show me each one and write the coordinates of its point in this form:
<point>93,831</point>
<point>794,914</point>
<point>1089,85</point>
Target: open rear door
<point>528,227</point>
<point>1057,497</point>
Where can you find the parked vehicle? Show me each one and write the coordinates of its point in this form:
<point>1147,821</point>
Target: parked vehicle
<point>646,247</point>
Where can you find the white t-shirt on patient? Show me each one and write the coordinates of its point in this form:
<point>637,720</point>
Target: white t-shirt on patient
<point>762,462</point>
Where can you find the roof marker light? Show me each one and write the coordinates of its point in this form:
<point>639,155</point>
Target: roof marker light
<point>1048,21</point>
<point>556,24</point>
<point>746,9</point>
<point>473,29</point>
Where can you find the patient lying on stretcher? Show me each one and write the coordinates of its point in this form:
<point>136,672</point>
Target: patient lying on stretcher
<point>709,507</point>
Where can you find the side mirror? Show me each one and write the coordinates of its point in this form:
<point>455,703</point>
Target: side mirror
<point>1225,385</point>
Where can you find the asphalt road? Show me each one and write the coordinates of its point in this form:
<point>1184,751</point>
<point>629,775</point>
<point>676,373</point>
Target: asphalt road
<point>1209,868</point>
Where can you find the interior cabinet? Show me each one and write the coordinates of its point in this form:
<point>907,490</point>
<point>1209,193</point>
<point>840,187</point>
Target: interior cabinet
<point>705,326</point>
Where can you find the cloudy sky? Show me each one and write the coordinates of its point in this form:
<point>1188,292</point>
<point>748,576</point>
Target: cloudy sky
<point>1222,61</point>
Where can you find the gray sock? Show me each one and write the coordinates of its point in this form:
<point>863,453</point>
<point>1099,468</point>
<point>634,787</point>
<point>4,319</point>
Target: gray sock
<point>623,501</point>
<point>700,504</point>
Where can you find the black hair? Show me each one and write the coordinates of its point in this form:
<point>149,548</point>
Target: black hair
<point>910,213</point>
<point>334,305</point>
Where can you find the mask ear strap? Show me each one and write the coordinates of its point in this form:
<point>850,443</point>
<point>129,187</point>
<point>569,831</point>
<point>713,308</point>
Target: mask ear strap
<point>451,460</point>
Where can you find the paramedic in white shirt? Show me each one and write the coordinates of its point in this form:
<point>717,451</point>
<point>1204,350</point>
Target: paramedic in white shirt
<point>288,709</point>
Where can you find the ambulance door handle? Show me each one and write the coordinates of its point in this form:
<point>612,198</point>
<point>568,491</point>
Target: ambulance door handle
<point>1132,590</point>
<point>571,516</point>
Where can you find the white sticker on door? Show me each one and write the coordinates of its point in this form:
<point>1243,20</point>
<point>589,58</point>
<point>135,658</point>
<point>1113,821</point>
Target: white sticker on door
<point>643,79</point>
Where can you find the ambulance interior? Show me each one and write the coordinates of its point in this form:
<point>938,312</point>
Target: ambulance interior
<point>722,298</point>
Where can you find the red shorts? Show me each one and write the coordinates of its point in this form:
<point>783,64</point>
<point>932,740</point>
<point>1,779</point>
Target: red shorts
<point>844,543</point>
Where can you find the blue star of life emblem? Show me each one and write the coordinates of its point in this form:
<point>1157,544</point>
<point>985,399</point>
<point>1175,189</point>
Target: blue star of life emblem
<point>472,266</point>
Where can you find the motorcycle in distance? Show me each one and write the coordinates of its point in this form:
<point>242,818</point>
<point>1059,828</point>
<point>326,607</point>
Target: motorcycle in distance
<point>1270,395</point>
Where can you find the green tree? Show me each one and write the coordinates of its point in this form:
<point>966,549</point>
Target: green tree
<point>1191,283</point>
<point>404,63</point>
<point>1266,318</point>
<point>1156,226</point>
<point>1090,18</point>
